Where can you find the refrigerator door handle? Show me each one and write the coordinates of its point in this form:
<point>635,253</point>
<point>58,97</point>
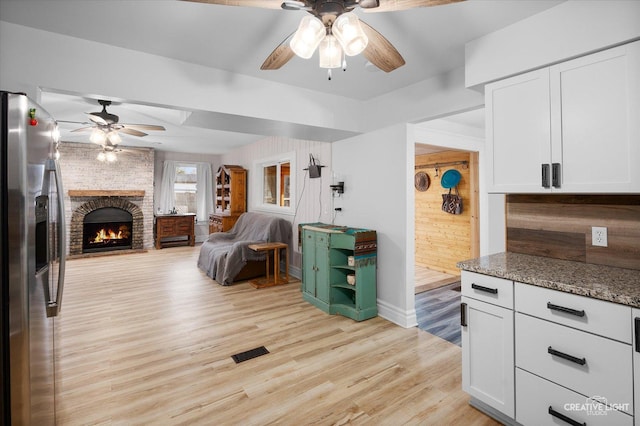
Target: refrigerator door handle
<point>53,307</point>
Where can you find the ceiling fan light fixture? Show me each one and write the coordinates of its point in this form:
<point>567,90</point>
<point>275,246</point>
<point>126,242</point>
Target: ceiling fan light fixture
<point>310,33</point>
<point>330,52</point>
<point>98,136</point>
<point>114,137</point>
<point>349,32</point>
<point>111,156</point>
<point>101,156</point>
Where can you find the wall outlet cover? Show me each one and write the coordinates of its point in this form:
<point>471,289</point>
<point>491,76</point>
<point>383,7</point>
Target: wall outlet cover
<point>599,236</point>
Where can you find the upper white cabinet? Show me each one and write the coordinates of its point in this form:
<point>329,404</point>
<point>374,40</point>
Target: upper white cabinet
<point>572,127</point>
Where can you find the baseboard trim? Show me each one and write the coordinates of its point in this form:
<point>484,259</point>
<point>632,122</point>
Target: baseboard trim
<point>406,319</point>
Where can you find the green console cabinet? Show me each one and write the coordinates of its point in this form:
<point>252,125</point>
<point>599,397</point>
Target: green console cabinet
<point>339,269</point>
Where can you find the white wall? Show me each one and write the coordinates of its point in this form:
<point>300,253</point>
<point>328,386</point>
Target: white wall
<point>571,29</point>
<point>373,168</point>
<point>313,196</point>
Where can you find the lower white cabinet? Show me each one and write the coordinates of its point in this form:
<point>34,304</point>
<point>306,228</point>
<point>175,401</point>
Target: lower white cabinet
<point>487,346</point>
<point>540,402</point>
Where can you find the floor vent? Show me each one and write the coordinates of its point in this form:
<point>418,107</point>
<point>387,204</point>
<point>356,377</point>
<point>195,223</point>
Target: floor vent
<point>250,354</point>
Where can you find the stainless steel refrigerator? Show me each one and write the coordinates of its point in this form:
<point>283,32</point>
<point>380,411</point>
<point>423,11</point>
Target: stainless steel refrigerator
<point>32,258</point>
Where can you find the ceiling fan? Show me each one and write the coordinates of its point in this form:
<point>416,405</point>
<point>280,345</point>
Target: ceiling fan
<point>335,30</point>
<point>105,127</point>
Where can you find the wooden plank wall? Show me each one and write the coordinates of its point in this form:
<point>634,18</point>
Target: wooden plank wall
<point>443,239</point>
<point>559,226</point>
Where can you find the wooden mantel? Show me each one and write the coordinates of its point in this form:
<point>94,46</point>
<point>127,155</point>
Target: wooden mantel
<point>106,193</point>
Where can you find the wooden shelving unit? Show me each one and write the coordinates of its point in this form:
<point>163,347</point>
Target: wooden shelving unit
<point>230,198</point>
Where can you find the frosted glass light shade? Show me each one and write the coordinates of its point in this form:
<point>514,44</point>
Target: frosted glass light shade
<point>310,33</point>
<point>114,137</point>
<point>111,157</point>
<point>330,52</point>
<point>101,156</point>
<point>349,33</point>
<point>97,136</point>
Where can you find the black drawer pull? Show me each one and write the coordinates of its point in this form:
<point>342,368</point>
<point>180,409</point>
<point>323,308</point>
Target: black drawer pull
<point>545,176</point>
<point>637,330</point>
<point>463,314</point>
<point>581,361</point>
<point>565,310</point>
<point>555,175</point>
<point>564,418</point>
<point>485,289</point>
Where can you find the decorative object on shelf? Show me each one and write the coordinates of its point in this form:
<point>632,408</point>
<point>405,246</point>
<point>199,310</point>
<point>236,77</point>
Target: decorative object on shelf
<point>351,279</point>
<point>337,188</point>
<point>452,203</point>
<point>450,178</point>
<point>422,181</point>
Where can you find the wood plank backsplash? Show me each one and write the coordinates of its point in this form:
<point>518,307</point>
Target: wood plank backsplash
<point>559,226</point>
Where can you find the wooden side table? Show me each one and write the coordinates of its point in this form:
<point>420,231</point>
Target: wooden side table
<point>277,279</point>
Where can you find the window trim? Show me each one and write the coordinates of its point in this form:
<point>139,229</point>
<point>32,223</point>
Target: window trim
<point>258,195</point>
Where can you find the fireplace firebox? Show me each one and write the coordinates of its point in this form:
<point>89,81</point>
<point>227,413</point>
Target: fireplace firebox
<point>105,229</point>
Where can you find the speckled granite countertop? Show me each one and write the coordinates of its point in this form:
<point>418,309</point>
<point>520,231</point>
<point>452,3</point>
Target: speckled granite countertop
<point>599,282</point>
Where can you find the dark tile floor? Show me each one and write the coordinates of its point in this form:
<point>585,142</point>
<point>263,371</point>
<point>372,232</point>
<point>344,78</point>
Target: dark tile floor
<point>438,312</point>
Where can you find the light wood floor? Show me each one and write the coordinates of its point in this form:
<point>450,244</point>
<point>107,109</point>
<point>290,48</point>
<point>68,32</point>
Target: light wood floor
<point>428,279</point>
<point>147,339</point>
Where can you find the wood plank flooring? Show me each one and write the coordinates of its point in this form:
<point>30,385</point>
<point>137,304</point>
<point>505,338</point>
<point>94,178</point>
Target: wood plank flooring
<point>438,312</point>
<point>147,339</point>
<point>427,279</point>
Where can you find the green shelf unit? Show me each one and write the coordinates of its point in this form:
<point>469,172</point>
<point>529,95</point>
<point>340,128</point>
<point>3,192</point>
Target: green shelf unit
<point>326,251</point>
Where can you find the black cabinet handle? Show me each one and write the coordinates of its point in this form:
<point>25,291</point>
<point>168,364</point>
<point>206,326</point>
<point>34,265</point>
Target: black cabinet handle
<point>463,314</point>
<point>565,310</point>
<point>545,176</point>
<point>485,289</point>
<point>637,331</point>
<point>555,175</point>
<point>581,361</point>
<point>564,418</point>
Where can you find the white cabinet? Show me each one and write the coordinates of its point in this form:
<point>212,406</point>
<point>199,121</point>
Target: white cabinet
<point>576,353</point>
<point>572,127</point>
<point>487,341</point>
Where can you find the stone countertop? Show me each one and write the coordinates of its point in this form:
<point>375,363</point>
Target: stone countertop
<point>616,285</point>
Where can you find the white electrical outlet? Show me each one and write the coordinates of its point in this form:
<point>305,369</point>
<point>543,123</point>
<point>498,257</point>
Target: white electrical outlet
<point>599,236</point>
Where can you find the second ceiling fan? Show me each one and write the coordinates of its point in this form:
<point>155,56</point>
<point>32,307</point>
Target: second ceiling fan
<point>335,30</point>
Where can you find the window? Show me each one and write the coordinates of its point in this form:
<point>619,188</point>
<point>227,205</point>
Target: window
<point>185,187</point>
<point>277,183</point>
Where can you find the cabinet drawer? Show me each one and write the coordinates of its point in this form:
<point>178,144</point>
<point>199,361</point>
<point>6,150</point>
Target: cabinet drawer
<point>598,366</point>
<point>166,228</point>
<point>595,316</point>
<point>497,291</point>
<point>535,395</point>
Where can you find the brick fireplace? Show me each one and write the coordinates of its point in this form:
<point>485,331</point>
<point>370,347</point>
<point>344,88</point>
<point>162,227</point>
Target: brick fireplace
<point>89,184</point>
<point>100,200</point>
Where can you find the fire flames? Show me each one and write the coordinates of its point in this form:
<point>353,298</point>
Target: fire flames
<point>106,235</point>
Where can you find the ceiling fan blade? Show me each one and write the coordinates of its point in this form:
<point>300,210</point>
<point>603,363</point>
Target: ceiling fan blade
<point>97,119</point>
<point>380,52</point>
<point>132,132</point>
<point>393,5</point>
<point>82,129</point>
<point>280,56</point>
<point>143,126</point>
<point>264,4</point>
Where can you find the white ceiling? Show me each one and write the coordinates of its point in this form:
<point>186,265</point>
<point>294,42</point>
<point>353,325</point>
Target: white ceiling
<point>238,39</point>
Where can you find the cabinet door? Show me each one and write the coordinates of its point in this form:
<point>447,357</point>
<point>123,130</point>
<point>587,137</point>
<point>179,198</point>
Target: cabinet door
<point>518,132</point>
<point>595,103</point>
<point>309,263</point>
<point>636,363</point>
<point>488,354</point>
<point>322,266</point>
